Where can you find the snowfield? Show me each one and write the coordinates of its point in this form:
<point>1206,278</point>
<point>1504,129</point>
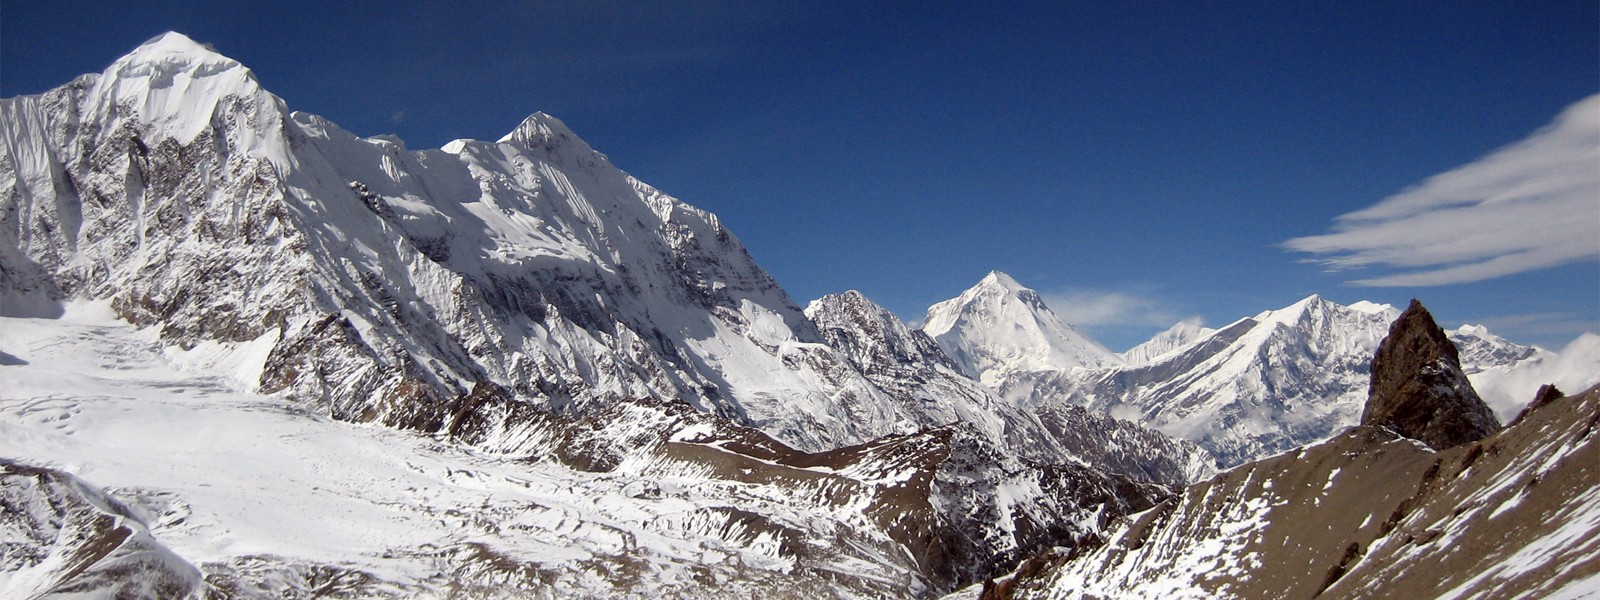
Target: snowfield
<point>221,475</point>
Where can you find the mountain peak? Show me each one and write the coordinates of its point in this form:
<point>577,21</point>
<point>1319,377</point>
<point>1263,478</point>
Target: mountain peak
<point>1000,280</point>
<point>999,325</point>
<point>1418,389</point>
<point>1181,335</point>
<point>173,42</point>
<point>171,86</point>
<point>172,51</point>
<point>541,130</point>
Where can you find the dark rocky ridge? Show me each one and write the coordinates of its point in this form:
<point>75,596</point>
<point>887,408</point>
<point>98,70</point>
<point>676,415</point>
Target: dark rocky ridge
<point>1418,389</point>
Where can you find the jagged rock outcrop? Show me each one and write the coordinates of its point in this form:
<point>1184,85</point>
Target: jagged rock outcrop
<point>1418,389</point>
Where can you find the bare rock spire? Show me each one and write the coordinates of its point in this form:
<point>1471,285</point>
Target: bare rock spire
<point>1418,389</point>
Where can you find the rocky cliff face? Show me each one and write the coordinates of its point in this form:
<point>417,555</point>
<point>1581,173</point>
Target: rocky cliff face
<point>1418,389</point>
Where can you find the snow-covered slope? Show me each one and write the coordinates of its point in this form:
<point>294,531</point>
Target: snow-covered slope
<point>910,368</point>
<point>1255,387</point>
<point>390,283</point>
<point>62,537</point>
<point>999,327</point>
<point>264,499</point>
<point>1280,379</point>
<point>907,366</point>
<point>1180,335</point>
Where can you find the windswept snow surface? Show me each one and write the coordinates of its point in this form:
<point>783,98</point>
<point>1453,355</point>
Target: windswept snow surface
<point>1179,336</point>
<point>226,477</point>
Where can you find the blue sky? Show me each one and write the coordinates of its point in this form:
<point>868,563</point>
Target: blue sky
<point>1136,164</point>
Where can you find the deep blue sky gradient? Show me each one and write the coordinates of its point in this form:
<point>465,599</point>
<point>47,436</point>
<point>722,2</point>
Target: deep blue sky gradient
<point>1162,152</point>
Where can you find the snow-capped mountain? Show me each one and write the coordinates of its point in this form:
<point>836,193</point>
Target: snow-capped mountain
<point>589,385</point>
<point>1255,387</point>
<point>1506,380</point>
<point>906,364</point>
<point>388,284</point>
<point>998,327</point>
<point>1372,512</point>
<point>1180,335</point>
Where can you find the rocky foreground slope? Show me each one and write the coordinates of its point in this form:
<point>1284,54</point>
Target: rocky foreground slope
<point>1373,513</point>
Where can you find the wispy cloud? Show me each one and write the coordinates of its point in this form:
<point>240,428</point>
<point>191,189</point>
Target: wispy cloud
<point>1531,205</point>
<point>1098,308</point>
<point>1548,329</point>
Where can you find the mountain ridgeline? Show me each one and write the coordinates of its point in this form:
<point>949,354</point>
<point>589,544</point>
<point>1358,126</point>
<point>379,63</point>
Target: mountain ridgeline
<point>580,334</point>
<point>1428,498</point>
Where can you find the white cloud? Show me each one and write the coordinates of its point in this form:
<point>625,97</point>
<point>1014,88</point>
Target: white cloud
<point>1531,205</point>
<point>1092,308</point>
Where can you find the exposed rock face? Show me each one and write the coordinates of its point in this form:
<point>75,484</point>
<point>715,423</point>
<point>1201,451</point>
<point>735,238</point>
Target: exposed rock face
<point>1418,389</point>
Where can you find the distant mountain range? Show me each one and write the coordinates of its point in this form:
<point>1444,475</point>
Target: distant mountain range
<point>1428,497</point>
<point>249,354</point>
<point>1250,389</point>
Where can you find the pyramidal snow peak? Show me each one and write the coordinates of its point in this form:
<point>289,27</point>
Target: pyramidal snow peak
<point>999,327</point>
